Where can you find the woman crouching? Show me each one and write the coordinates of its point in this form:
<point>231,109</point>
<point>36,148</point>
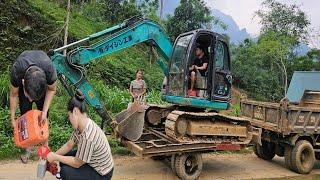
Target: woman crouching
<point>93,158</point>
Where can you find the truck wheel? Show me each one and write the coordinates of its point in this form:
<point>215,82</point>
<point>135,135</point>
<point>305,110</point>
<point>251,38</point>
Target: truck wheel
<point>266,151</point>
<point>317,156</point>
<point>188,166</point>
<point>279,150</point>
<point>303,157</point>
<point>172,163</point>
<point>288,156</point>
<point>256,150</point>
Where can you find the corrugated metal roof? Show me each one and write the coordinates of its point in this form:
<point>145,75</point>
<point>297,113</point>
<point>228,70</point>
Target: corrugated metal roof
<point>301,81</point>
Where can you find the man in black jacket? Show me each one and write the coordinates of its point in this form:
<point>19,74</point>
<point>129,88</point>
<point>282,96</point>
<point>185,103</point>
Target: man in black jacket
<point>33,79</point>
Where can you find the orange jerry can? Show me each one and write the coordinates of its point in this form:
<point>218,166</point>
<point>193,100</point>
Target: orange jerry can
<point>28,131</point>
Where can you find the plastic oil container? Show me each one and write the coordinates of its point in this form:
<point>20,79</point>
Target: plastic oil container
<point>28,131</point>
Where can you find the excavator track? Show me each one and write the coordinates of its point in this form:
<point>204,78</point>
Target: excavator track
<point>207,127</point>
<point>156,114</point>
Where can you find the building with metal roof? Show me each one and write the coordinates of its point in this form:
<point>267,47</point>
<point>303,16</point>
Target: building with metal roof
<point>301,81</point>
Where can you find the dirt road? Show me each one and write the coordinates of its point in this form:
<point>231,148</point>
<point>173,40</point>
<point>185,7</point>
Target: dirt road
<point>223,166</point>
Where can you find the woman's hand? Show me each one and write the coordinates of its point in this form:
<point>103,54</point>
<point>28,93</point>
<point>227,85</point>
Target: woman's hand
<point>191,68</point>
<point>51,157</point>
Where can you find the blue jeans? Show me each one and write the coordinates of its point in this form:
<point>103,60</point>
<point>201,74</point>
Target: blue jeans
<point>82,173</point>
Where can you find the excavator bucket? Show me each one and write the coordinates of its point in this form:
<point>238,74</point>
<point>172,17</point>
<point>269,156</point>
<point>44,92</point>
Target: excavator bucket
<point>130,121</point>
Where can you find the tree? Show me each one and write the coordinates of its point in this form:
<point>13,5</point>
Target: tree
<point>190,15</point>
<point>286,20</point>
<point>65,39</point>
<point>116,11</point>
<point>262,67</point>
<point>277,48</point>
<point>148,7</point>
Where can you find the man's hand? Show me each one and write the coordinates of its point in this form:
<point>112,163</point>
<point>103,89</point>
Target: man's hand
<point>13,122</point>
<point>14,91</point>
<point>196,67</point>
<point>43,117</point>
<point>51,157</point>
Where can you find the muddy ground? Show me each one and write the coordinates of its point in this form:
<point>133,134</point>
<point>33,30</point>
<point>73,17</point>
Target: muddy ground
<point>222,166</point>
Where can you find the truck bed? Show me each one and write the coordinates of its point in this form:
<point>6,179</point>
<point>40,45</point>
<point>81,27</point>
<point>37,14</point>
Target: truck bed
<point>283,117</point>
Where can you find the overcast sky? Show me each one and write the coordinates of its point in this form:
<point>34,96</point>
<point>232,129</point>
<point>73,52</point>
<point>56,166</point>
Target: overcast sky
<point>242,11</point>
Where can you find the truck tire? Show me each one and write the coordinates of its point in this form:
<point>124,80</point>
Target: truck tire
<point>266,151</point>
<point>288,156</point>
<point>172,163</point>
<point>317,156</point>
<point>302,157</point>
<point>188,166</point>
<point>279,150</point>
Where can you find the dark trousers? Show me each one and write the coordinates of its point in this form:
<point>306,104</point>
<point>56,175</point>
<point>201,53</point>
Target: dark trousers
<point>82,173</point>
<point>25,105</point>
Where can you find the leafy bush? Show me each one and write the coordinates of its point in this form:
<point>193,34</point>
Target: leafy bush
<point>7,147</point>
<point>154,97</point>
<point>236,110</point>
<point>116,148</point>
<point>4,89</point>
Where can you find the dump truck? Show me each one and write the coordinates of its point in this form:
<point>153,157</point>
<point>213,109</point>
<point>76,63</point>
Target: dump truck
<point>290,128</point>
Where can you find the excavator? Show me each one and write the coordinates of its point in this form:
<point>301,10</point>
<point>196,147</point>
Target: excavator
<point>189,125</point>
<point>187,118</point>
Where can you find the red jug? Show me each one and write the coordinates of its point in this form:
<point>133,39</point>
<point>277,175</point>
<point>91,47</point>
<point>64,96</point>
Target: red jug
<point>28,131</point>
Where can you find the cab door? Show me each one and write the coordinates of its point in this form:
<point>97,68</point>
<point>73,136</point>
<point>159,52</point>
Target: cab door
<point>177,73</point>
<point>221,77</point>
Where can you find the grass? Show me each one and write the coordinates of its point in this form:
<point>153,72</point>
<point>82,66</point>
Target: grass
<point>116,148</point>
<point>79,26</point>
<point>4,89</point>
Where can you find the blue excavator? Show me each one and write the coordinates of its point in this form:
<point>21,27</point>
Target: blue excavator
<point>187,117</point>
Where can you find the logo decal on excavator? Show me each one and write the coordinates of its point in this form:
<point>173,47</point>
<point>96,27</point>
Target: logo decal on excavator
<point>91,94</point>
<point>115,44</point>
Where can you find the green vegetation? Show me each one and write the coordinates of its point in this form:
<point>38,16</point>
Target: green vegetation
<point>264,67</point>
<point>7,147</point>
<point>80,25</point>
<point>190,15</point>
<point>285,20</point>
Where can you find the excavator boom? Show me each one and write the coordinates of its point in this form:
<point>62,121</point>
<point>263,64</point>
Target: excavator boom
<point>129,33</point>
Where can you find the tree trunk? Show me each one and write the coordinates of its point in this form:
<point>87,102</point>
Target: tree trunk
<point>285,75</point>
<point>65,40</point>
<point>161,9</point>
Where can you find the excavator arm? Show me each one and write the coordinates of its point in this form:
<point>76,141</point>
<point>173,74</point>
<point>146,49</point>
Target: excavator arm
<point>129,33</point>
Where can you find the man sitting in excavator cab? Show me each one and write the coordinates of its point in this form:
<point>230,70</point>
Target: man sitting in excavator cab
<point>198,68</point>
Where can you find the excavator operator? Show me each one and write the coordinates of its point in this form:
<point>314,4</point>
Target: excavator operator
<point>198,68</point>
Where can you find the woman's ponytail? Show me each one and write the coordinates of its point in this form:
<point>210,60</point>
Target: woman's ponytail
<point>77,101</point>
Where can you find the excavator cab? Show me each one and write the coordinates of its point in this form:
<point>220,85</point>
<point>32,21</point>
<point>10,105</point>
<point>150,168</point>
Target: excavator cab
<point>212,90</point>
